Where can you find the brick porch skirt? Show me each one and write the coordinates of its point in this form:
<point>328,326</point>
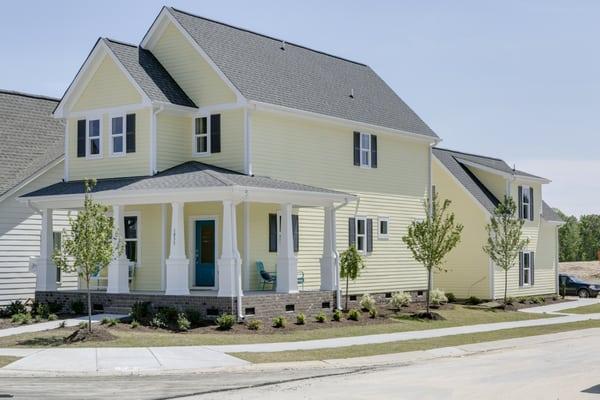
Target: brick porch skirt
<point>254,305</point>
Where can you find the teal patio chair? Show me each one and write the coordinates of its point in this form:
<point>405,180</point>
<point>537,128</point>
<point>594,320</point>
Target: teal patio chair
<point>266,277</point>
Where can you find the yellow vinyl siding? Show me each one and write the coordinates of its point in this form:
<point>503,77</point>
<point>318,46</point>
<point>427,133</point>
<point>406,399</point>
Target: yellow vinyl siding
<point>494,182</point>
<point>321,154</point>
<point>148,274</point>
<point>467,265</point>
<point>108,87</point>
<point>190,70</point>
<point>259,242</point>
<point>130,164</point>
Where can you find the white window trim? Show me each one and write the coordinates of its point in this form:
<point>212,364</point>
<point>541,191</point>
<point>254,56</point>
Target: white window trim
<point>194,136</point>
<point>111,136</point>
<point>364,235</point>
<point>380,235</point>
<point>361,149</point>
<point>527,271</point>
<point>138,249</point>
<point>58,281</point>
<point>87,138</point>
<point>279,229</point>
<point>525,189</point>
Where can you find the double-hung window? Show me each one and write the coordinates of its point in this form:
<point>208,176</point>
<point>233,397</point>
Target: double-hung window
<point>365,150</point>
<point>117,136</point>
<point>384,226</point>
<point>201,137</point>
<point>526,268</point>
<point>132,238</point>
<point>94,138</point>
<point>57,246</point>
<point>361,234</point>
<point>526,202</point>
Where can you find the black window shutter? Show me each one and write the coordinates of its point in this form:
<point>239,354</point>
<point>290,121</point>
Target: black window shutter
<point>130,136</point>
<point>532,268</point>
<point>373,151</point>
<point>369,235</point>
<point>81,138</point>
<point>296,232</point>
<point>351,231</point>
<point>215,133</point>
<point>520,268</point>
<point>520,202</point>
<point>531,214</point>
<point>357,148</point>
<point>272,233</point>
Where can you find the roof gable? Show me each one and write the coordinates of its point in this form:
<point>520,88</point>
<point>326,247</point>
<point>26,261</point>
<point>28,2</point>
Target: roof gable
<point>30,138</point>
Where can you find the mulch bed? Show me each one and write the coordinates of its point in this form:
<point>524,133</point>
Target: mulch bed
<point>98,334</point>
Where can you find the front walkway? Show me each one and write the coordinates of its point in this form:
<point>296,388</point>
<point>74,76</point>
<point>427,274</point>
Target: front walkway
<point>110,361</point>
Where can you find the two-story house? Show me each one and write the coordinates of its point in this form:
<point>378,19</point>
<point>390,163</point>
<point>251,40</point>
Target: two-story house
<point>231,160</point>
<point>476,184</point>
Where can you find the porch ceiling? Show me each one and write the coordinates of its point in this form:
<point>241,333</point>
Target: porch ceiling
<point>190,181</point>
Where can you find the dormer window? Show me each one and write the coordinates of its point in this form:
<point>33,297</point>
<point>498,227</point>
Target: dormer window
<point>94,139</point>
<point>117,135</point>
<point>365,150</point>
<point>526,203</point>
<point>207,135</point>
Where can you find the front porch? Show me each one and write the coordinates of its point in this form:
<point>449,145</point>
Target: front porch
<point>197,238</point>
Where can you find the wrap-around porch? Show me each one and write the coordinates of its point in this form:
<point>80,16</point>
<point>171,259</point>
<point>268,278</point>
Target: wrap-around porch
<point>198,230</point>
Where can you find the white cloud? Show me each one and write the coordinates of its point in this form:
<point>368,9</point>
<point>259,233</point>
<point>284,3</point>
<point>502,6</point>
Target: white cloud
<point>575,186</point>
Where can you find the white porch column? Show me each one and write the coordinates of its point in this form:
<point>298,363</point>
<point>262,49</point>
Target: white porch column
<point>328,270</point>
<point>230,261</point>
<point>118,269</point>
<point>177,265</point>
<point>287,265</point>
<point>46,269</point>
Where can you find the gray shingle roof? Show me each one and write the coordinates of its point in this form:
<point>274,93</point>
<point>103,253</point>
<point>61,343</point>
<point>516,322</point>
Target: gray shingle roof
<point>300,78</point>
<point>30,138</point>
<point>149,73</point>
<point>191,174</point>
<point>549,214</point>
<point>451,160</point>
<point>492,162</point>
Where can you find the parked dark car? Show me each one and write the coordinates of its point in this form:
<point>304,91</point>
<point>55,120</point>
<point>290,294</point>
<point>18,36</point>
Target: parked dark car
<point>573,286</point>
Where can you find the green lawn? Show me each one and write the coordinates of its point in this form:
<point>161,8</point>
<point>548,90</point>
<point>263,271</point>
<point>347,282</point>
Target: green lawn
<point>5,360</point>
<point>136,338</point>
<point>411,345</point>
<point>591,309</point>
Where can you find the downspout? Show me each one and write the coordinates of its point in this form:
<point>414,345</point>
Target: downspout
<point>238,272</point>
<point>338,291</point>
<point>154,141</point>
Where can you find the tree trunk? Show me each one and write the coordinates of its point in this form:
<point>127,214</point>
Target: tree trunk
<point>347,281</point>
<point>505,286</point>
<point>89,304</point>
<point>428,288</point>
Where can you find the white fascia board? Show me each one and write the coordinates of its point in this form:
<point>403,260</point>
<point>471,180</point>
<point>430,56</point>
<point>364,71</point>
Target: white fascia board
<point>157,29</point>
<point>457,182</point>
<point>528,179</point>
<point>31,178</point>
<point>260,106</point>
<point>485,168</point>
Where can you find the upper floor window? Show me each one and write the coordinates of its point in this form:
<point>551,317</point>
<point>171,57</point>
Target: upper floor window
<point>384,226</point>
<point>94,138</point>
<point>207,135</point>
<point>117,136</point>
<point>526,202</point>
<point>365,150</point>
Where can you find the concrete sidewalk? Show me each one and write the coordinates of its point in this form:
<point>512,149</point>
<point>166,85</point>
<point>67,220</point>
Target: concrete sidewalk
<point>152,360</point>
<point>45,326</point>
<point>557,307</point>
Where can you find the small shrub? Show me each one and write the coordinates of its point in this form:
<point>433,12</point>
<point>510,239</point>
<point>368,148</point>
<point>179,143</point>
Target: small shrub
<point>538,300</point>
<point>82,325</point>
<point>113,322</point>
<point>522,300</point>
<point>437,297</point>
<point>400,299</point>
<point>337,315</point>
<point>134,324</point>
<point>366,302</point>
<point>373,313</point>
<point>254,324</point>
<point>354,314</point>
<point>54,307</point>
<point>37,319</point>
<point>510,300</point>
<point>321,317</point>
<point>225,321</point>
<point>300,319</point>
<point>279,322</point>
<point>168,315</point>
<point>194,317</point>
<point>141,310</point>
<point>157,322</point>
<point>21,318</point>
<point>473,301</point>
<point>41,309</point>
<point>451,297</point>
<point>52,317</point>
<point>183,324</point>
<point>16,307</point>
<point>77,307</point>
<point>104,321</point>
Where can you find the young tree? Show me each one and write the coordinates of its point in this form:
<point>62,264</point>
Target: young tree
<point>504,238</point>
<point>431,239</point>
<point>351,262</point>
<point>89,247</point>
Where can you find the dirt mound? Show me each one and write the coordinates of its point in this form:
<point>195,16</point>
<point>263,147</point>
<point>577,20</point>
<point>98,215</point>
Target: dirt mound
<point>98,334</point>
<point>586,270</point>
<point>433,316</point>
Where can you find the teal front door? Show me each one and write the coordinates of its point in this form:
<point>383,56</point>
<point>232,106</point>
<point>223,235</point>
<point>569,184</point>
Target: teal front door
<point>205,253</point>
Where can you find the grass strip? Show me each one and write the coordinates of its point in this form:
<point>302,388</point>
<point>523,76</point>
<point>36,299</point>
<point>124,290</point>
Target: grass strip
<point>591,309</point>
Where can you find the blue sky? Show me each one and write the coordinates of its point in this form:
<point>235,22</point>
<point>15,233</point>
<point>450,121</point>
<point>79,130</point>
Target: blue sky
<point>512,79</point>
